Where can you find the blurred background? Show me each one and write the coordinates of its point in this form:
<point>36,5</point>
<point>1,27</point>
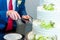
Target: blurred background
<point>31,7</point>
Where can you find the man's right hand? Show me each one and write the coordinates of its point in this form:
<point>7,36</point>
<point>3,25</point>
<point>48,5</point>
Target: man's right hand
<point>13,14</point>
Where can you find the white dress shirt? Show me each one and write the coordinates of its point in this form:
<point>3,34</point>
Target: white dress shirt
<point>13,3</point>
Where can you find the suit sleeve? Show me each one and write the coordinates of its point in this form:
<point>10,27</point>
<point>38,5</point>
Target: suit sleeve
<point>22,10</point>
<point>3,14</point>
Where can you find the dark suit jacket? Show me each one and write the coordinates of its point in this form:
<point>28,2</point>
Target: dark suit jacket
<point>3,8</point>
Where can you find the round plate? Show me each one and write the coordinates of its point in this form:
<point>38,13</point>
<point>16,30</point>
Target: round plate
<point>13,36</point>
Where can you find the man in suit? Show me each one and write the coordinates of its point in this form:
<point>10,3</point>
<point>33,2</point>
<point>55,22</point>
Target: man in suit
<point>18,12</point>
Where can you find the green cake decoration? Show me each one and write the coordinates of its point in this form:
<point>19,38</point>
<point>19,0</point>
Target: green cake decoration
<point>47,25</point>
<point>49,7</point>
<point>41,37</point>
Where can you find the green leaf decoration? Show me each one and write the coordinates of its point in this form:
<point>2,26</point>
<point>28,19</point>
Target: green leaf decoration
<point>41,37</point>
<point>49,7</point>
<point>47,25</point>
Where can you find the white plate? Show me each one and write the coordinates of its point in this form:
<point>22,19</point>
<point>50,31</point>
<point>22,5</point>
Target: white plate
<point>13,36</point>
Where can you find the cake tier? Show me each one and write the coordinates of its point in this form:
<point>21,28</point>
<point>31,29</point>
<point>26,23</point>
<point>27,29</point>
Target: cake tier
<point>39,30</point>
<point>48,16</point>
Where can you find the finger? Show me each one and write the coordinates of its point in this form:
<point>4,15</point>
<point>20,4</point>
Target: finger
<point>28,16</point>
<point>15,16</point>
<point>18,16</point>
<point>24,17</point>
<point>12,16</point>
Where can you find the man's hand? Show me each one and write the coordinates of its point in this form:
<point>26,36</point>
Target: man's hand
<point>13,14</point>
<point>26,18</point>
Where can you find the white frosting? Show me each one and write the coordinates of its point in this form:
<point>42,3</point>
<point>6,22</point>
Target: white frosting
<point>41,31</point>
<point>47,16</point>
<point>56,2</point>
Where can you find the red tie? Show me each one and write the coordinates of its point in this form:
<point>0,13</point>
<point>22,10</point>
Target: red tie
<point>10,21</point>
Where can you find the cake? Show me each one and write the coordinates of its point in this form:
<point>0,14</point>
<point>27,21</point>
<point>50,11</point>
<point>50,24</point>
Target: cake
<point>47,24</point>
